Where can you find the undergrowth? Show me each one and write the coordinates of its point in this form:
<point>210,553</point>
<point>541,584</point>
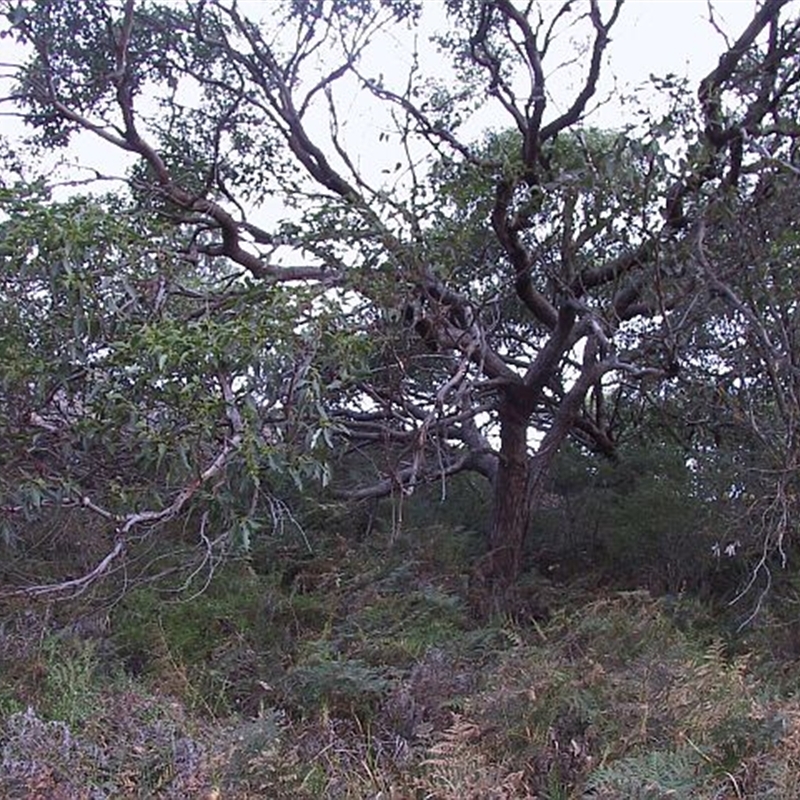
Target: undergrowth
<point>365,672</point>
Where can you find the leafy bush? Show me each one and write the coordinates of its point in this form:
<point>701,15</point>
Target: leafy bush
<point>341,686</point>
<point>654,775</point>
<point>205,649</point>
<point>354,671</point>
<point>71,688</point>
<point>617,685</point>
<point>640,520</point>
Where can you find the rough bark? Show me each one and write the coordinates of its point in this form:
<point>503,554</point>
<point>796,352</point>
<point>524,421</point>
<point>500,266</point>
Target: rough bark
<point>520,478</point>
<point>512,511</point>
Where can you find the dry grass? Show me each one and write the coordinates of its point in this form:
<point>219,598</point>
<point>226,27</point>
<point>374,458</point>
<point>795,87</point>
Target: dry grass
<point>387,688</point>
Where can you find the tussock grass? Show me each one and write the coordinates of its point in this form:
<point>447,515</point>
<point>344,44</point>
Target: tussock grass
<point>351,673</point>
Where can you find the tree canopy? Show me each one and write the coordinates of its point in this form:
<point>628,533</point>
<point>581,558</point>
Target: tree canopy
<point>280,291</point>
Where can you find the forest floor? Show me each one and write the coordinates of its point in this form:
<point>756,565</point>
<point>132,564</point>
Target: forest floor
<point>374,671</point>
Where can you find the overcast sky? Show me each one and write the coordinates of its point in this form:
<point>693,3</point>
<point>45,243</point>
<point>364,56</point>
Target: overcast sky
<point>651,37</point>
<point>674,35</point>
<point>657,37</point>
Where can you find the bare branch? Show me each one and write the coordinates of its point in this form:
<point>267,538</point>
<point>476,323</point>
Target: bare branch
<point>601,40</point>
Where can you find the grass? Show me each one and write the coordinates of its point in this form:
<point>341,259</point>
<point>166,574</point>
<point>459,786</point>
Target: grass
<point>363,672</point>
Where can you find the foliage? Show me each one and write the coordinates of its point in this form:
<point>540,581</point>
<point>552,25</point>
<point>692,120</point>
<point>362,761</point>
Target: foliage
<point>118,384</point>
<point>257,389</point>
<point>350,689</point>
<point>84,728</point>
<point>652,776</point>
<point>139,749</point>
<point>339,686</point>
<point>643,518</point>
<point>206,650</point>
<point>256,300</point>
<point>675,706</point>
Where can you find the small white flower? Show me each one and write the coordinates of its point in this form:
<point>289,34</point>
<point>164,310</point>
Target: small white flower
<point>731,548</point>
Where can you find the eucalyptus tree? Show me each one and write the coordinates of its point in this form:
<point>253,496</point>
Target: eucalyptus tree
<point>468,305</point>
<point>739,396</point>
<point>117,393</point>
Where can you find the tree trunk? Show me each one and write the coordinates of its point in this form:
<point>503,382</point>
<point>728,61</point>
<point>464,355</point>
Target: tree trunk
<point>521,479</point>
<point>512,509</point>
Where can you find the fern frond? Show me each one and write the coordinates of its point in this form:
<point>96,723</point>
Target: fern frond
<point>655,775</point>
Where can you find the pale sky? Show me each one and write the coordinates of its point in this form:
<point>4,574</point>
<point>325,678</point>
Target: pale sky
<point>674,35</point>
<point>651,37</point>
